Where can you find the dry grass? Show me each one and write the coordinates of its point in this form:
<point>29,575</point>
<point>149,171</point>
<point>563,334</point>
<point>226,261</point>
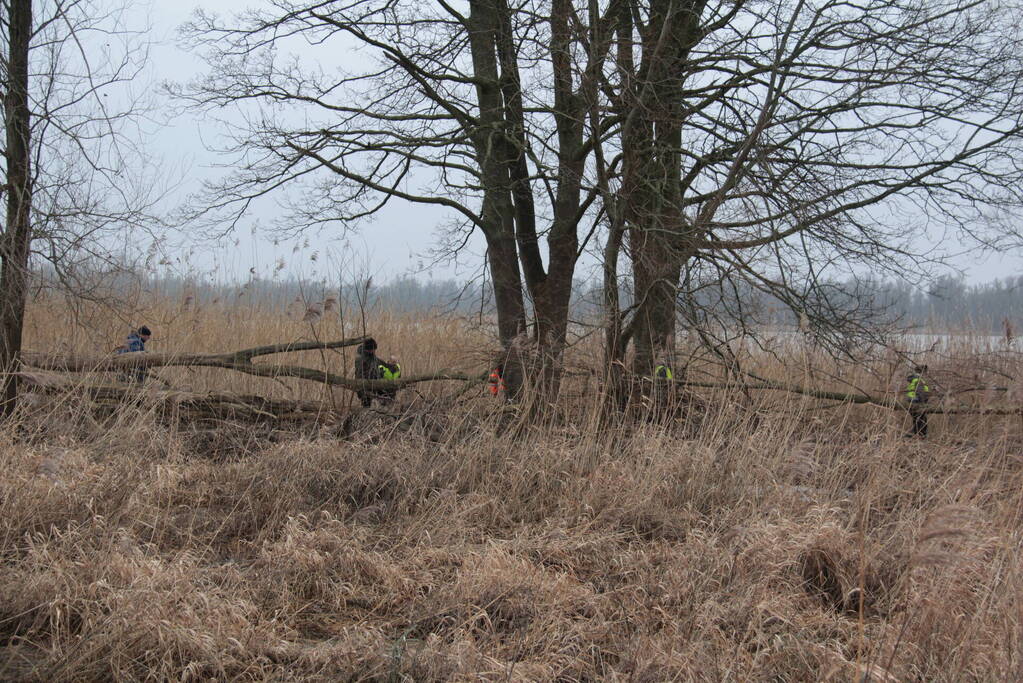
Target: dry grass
<point>776,541</point>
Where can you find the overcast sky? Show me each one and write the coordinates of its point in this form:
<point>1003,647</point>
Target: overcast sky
<point>398,241</point>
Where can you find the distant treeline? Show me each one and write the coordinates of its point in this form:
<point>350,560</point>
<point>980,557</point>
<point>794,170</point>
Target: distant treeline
<point>946,301</point>
<point>952,301</point>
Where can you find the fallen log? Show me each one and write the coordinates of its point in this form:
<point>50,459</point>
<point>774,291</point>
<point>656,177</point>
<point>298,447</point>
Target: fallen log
<point>891,402</point>
<point>248,405</point>
<point>125,361</point>
<point>766,385</point>
<point>240,361</point>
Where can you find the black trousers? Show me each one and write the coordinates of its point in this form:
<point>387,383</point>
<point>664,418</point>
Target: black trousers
<point>919,415</point>
<point>385,397</point>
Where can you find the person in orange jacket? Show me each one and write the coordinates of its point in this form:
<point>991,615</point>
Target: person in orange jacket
<point>496,382</point>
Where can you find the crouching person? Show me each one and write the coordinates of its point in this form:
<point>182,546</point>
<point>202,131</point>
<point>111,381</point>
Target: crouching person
<point>369,366</point>
<point>136,343</point>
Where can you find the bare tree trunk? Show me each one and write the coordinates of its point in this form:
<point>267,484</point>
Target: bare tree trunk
<point>552,293</point>
<point>17,235</point>
<point>504,269</point>
<point>615,339</point>
<point>656,267</point>
<point>498,211</point>
<point>651,146</point>
<point>502,155</point>
<point>655,239</point>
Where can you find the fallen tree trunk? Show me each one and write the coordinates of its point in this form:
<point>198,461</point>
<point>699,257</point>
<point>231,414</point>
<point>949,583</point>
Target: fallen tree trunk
<point>205,404</point>
<point>881,401</point>
<point>126,361</point>
<point>240,361</point>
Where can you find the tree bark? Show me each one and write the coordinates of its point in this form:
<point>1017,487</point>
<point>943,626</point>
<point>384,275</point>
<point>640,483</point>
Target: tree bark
<point>502,148</point>
<point>553,292</point>
<point>651,192</point>
<point>17,235</point>
<point>498,211</point>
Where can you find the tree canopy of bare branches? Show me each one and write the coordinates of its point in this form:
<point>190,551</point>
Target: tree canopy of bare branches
<point>71,156</point>
<point>770,143</point>
<point>737,145</point>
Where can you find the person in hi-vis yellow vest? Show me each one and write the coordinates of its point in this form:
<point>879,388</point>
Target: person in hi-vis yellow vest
<point>917,393</point>
<point>369,366</point>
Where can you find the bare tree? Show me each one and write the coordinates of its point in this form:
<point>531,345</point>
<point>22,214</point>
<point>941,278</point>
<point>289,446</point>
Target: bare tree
<point>71,167</point>
<point>778,142</point>
<point>730,144</point>
<point>481,111</point>
<point>14,243</point>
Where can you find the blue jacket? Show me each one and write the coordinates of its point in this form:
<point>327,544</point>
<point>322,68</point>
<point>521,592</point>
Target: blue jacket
<point>135,343</point>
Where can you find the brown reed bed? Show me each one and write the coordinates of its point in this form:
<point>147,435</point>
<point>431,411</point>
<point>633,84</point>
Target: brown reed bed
<point>768,537</point>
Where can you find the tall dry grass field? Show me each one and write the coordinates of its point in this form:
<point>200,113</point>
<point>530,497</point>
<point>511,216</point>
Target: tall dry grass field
<point>768,536</point>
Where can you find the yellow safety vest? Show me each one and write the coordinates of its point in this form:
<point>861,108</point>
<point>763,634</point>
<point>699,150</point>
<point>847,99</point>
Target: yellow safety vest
<point>664,372</point>
<point>917,389</point>
<point>385,372</point>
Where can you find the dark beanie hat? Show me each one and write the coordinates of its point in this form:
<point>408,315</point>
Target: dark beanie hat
<point>144,332</point>
<point>370,344</point>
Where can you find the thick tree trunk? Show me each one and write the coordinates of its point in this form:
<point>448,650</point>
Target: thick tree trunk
<point>551,308</point>
<point>655,241</point>
<point>552,293</point>
<point>658,232</point>
<point>17,235</point>
<point>504,269</point>
<point>502,148</point>
<point>656,268</point>
<point>492,155</point>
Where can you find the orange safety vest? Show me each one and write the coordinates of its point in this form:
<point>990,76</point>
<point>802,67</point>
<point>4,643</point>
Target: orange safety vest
<point>496,382</point>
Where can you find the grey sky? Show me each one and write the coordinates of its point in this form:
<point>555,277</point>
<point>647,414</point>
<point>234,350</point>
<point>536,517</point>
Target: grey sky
<point>398,241</point>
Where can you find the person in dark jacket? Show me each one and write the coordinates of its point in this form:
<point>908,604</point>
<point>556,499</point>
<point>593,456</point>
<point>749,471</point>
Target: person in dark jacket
<point>136,343</point>
<point>369,366</point>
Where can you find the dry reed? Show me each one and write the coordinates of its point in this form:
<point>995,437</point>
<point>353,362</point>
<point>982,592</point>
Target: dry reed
<point>760,538</point>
